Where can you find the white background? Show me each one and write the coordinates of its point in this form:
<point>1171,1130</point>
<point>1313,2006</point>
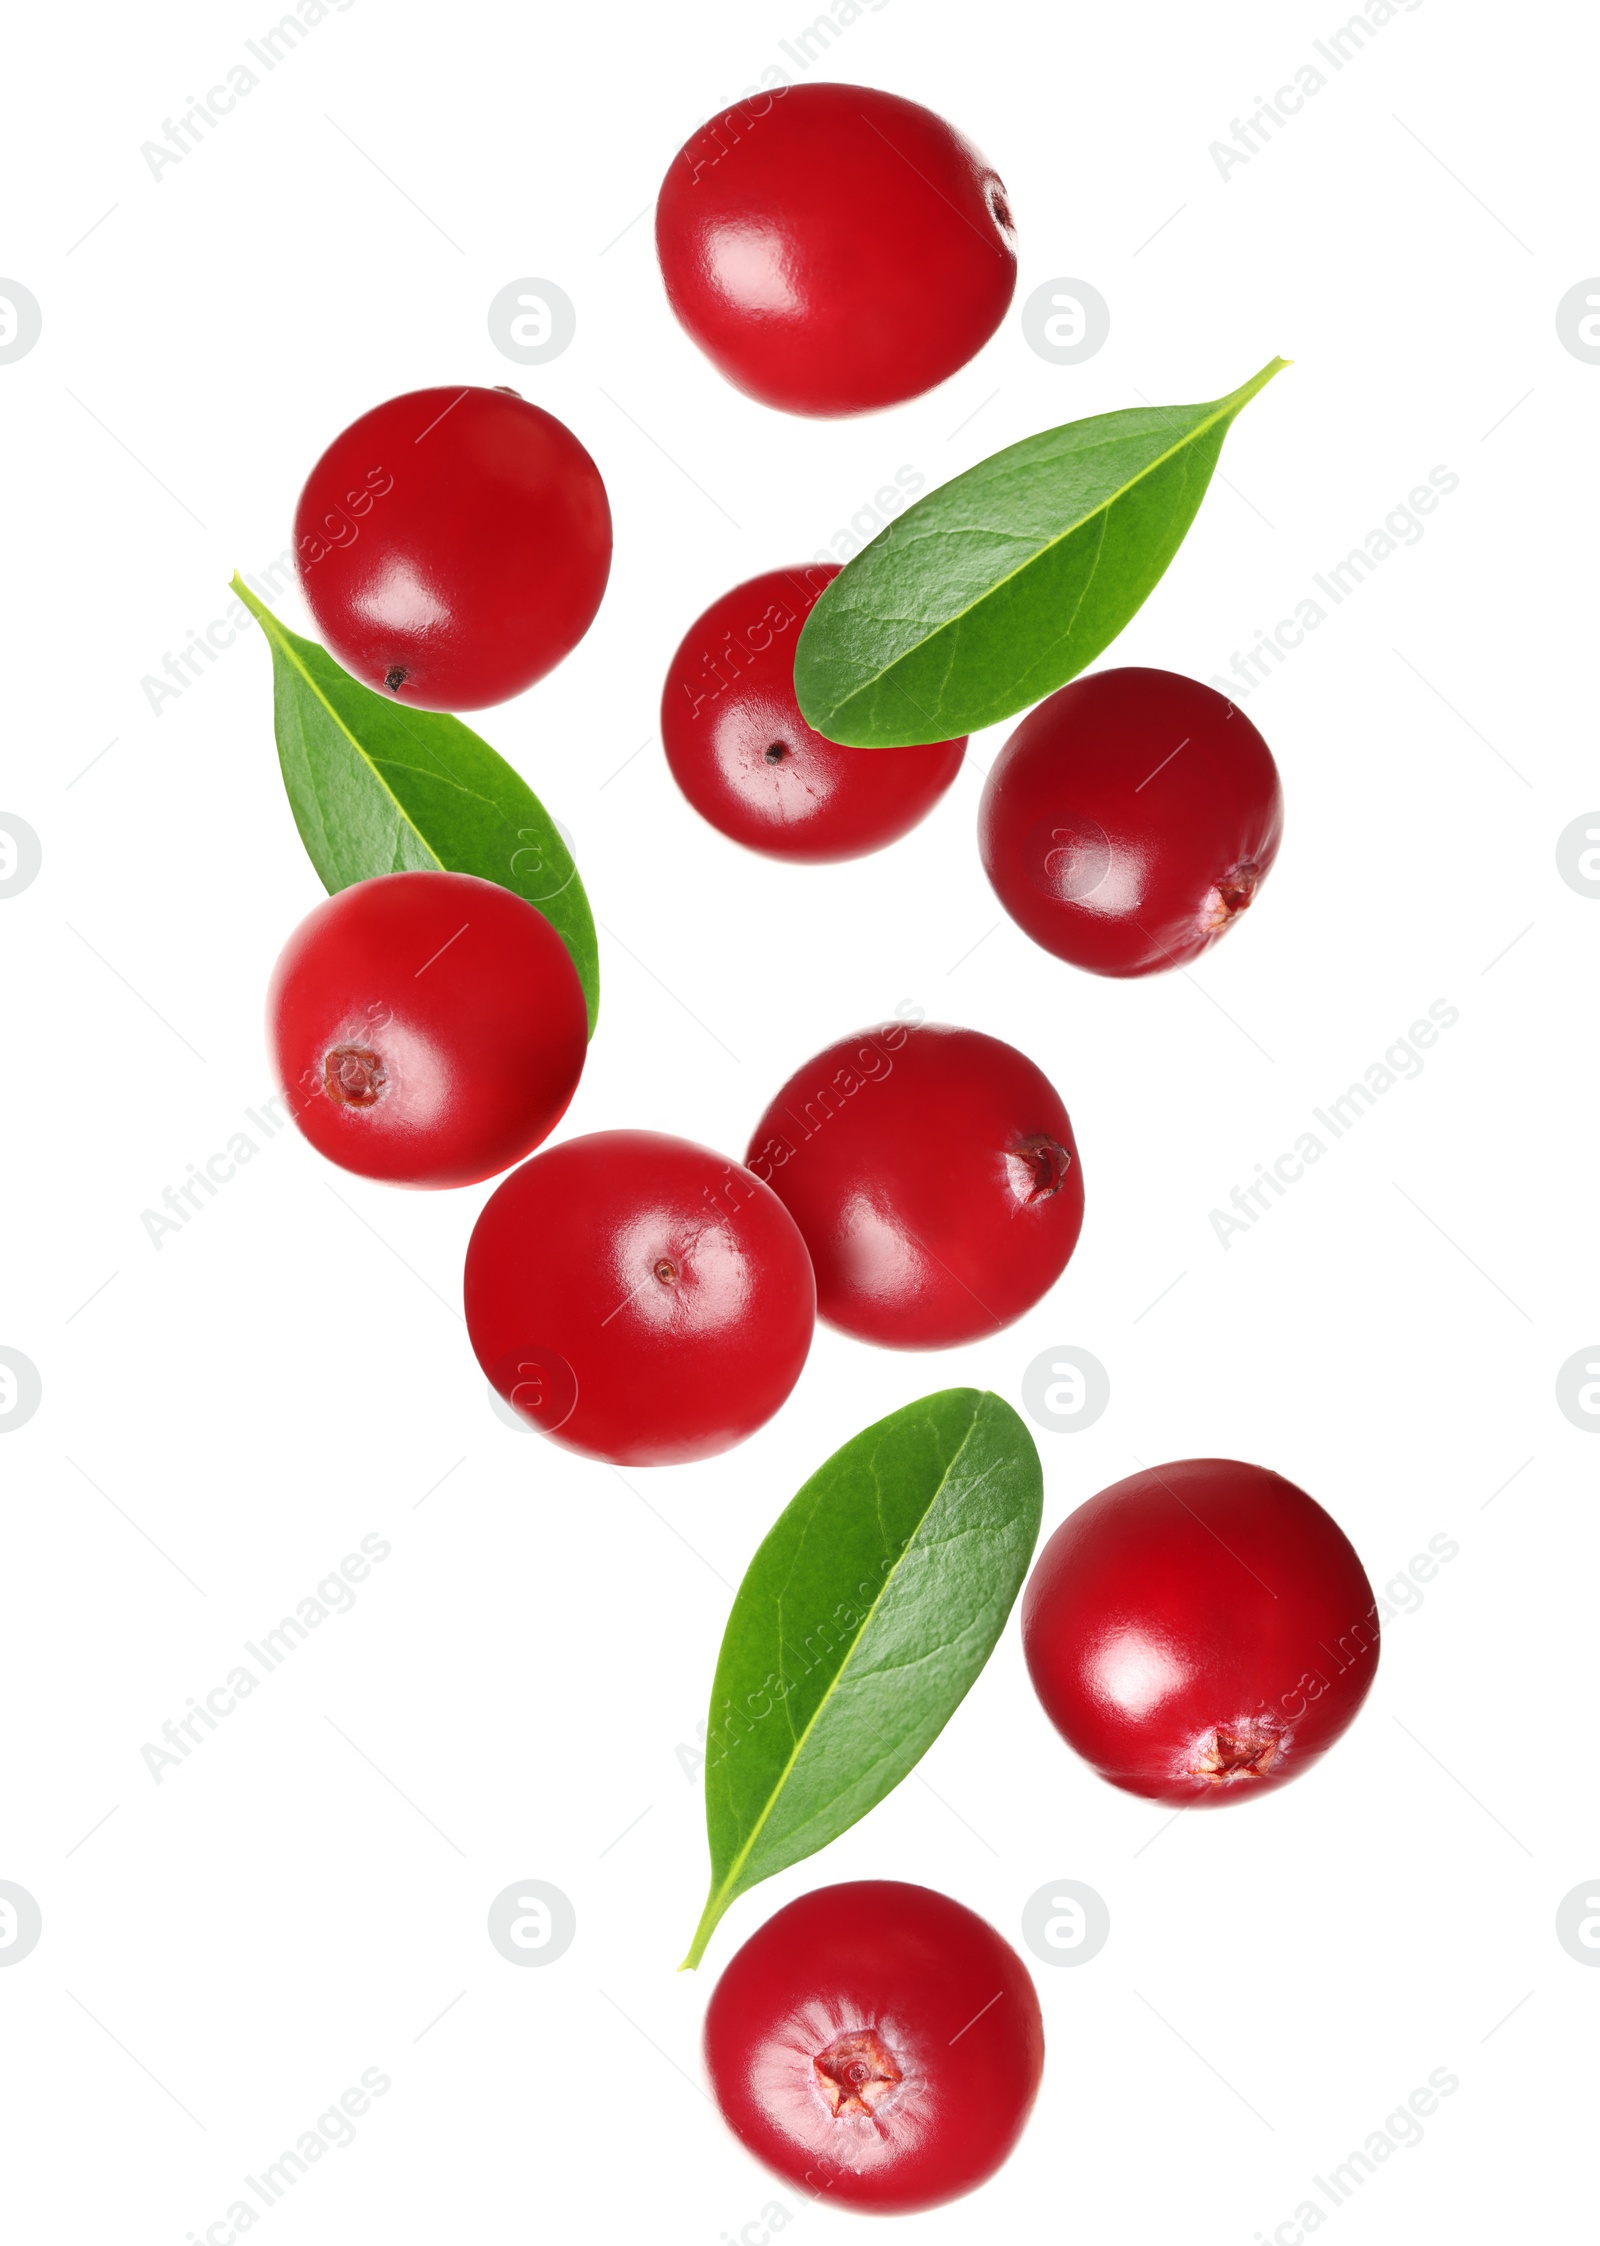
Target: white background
<point>225,1417</point>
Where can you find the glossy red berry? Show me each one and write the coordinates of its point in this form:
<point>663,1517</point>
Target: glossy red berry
<point>747,760</point>
<point>1200,1632</point>
<point>639,1298</point>
<point>877,2044</point>
<point>832,248</point>
<point>935,1177</point>
<point>453,545</point>
<point>427,1028</point>
<point>1130,819</point>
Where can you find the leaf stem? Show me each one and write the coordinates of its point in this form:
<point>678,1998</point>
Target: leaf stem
<point>710,1918</point>
<point>1257,382</point>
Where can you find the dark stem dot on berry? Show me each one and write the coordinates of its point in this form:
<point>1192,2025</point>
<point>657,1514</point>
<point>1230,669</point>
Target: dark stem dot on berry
<point>395,677</point>
<point>666,1271</point>
<point>776,751</point>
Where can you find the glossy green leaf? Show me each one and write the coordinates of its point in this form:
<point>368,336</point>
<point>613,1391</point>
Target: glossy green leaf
<point>860,1624</point>
<point>1002,585</point>
<point>377,787</point>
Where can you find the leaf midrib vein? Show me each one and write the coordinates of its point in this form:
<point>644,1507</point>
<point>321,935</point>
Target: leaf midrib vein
<point>726,1885</point>
<point>291,654</point>
<point>1199,429</point>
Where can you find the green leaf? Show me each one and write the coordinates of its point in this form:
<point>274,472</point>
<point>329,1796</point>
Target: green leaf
<point>1002,585</point>
<point>376,787</point>
<point>861,1623</point>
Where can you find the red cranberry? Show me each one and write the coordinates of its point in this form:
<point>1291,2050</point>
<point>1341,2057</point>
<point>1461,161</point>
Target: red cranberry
<point>877,2044</point>
<point>935,1177</point>
<point>639,1298</point>
<point>833,248</point>
<point>1200,1631</point>
<point>427,1028</point>
<point>748,761</point>
<point>453,546</point>
<point>1130,819</point>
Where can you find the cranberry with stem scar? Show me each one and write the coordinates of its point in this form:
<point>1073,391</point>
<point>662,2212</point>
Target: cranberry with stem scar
<point>453,545</point>
<point>1200,1632</point>
<point>638,1298</point>
<point>934,1174</point>
<point>878,2044</point>
<point>747,760</point>
<point>427,1028</point>
<point>833,249</point>
<point>1129,820</point>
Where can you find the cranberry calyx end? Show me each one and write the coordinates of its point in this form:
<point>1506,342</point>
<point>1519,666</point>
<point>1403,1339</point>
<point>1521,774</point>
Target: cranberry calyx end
<point>353,1076</point>
<point>1232,894</point>
<point>856,2072</point>
<point>1045,1163</point>
<point>1228,1756</point>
